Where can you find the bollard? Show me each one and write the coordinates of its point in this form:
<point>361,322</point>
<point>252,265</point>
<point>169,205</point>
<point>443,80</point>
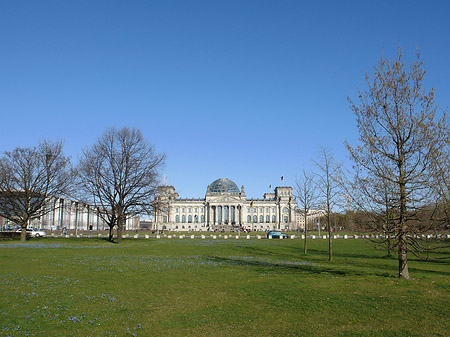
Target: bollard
<point>203,236</point>
<point>292,237</point>
<point>248,237</point>
<point>225,237</point>
<point>147,236</point>
<point>169,236</point>
<point>214,237</point>
<point>270,237</point>
<point>258,237</point>
<point>192,236</point>
<point>237,237</point>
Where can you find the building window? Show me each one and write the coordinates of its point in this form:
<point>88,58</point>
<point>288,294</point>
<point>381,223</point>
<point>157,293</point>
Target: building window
<point>255,219</point>
<point>261,219</point>
<point>189,210</point>
<point>182,210</point>
<point>249,218</point>
<point>183,219</point>
<point>267,210</point>
<point>267,219</point>
<point>190,218</point>
<point>273,209</point>
<point>248,210</point>
<point>202,219</point>
<point>177,219</point>
<point>285,210</point>
<point>260,209</point>
<point>285,219</point>
<point>196,218</point>
<point>176,210</point>
<point>196,210</point>
<point>274,219</point>
<point>165,219</point>
<point>201,210</point>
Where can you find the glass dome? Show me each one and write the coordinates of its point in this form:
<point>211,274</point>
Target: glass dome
<point>223,185</point>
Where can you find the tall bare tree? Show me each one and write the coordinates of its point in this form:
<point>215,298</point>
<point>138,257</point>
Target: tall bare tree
<point>400,139</point>
<point>306,190</point>
<point>119,175</point>
<point>30,178</point>
<point>329,182</point>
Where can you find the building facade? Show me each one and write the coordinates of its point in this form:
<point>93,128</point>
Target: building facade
<point>76,215</point>
<point>225,208</point>
<point>62,213</point>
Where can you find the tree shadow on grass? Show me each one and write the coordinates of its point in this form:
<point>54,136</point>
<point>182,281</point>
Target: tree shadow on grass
<point>291,267</point>
<point>315,256</point>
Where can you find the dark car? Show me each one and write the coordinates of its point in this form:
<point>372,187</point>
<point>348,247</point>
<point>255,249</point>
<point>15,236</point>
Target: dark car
<point>277,235</point>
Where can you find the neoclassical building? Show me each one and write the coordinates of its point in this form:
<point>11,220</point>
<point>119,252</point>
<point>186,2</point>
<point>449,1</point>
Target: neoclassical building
<point>225,207</point>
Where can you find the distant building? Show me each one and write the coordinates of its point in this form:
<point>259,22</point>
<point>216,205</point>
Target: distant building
<point>72,215</point>
<point>226,208</point>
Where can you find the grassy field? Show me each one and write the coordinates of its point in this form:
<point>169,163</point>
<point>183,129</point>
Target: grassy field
<point>89,287</point>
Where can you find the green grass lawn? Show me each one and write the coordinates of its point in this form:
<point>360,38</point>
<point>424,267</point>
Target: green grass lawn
<point>184,287</point>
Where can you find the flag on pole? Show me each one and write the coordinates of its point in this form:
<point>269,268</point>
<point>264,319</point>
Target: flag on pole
<point>282,178</point>
<point>270,187</point>
<point>251,204</point>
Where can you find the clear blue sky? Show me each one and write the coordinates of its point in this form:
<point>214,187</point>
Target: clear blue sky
<point>246,90</point>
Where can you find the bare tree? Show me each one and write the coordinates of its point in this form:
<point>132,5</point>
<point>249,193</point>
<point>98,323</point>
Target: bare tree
<point>399,142</point>
<point>119,175</point>
<point>30,178</point>
<point>374,198</point>
<point>329,182</point>
<point>306,190</point>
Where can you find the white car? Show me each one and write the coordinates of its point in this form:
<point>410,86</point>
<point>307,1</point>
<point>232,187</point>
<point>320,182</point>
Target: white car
<point>34,233</point>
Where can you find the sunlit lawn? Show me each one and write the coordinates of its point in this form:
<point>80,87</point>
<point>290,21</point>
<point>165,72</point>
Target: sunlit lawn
<point>185,287</point>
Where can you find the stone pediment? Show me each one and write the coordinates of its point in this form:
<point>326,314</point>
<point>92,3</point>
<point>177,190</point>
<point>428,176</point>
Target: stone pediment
<point>223,199</point>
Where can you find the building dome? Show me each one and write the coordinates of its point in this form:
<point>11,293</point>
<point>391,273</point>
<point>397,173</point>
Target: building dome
<point>223,185</point>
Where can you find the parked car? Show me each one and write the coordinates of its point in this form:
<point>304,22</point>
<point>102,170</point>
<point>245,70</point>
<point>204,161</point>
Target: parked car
<point>34,233</point>
<point>277,235</point>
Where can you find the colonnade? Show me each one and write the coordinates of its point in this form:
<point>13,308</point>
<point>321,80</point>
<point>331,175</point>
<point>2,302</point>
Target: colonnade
<point>223,214</point>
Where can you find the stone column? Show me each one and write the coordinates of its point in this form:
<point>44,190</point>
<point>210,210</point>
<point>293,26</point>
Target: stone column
<point>279,215</point>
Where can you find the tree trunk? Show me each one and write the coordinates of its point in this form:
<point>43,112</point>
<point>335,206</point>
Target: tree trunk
<point>119,230</point>
<point>402,238</point>
<point>402,257</point>
<point>330,243</point>
<point>306,242</point>
<point>330,239</point>
<point>23,234</point>
<point>111,236</point>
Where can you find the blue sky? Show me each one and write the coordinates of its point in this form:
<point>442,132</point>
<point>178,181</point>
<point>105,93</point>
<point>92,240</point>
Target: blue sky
<point>247,90</point>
